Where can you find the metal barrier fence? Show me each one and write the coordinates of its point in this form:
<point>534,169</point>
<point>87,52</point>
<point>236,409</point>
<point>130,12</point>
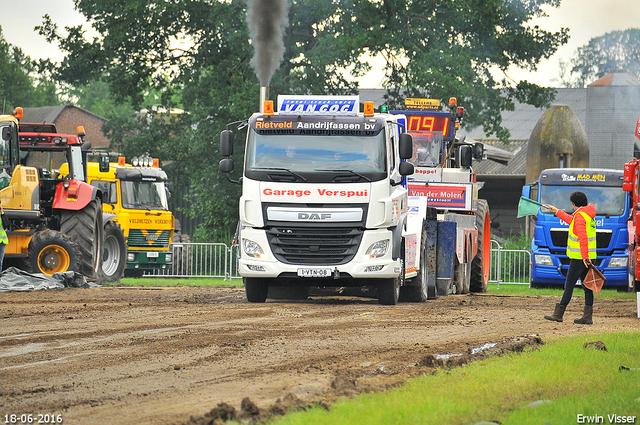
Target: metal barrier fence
<point>508,266</point>
<point>201,260</point>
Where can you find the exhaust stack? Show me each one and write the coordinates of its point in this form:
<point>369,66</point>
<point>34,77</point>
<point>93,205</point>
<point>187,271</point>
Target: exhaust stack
<point>264,95</point>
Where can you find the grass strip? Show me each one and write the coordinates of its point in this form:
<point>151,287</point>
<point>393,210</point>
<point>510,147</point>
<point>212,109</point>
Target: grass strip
<point>553,384</point>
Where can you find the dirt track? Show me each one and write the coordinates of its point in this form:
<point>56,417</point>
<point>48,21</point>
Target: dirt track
<point>161,356</point>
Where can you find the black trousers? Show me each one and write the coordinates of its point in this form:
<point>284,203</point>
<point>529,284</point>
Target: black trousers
<point>576,270</point>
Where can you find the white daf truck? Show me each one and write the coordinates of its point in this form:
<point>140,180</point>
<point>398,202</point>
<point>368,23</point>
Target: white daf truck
<point>325,204</point>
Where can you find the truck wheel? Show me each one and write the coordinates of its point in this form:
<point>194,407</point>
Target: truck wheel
<point>114,257</point>
<point>256,289</point>
<point>419,293</point>
<point>52,252</point>
<point>85,228</point>
<point>482,262</point>
<point>389,291</point>
<point>181,264</point>
<point>461,278</point>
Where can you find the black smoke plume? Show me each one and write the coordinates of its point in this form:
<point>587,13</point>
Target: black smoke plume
<point>267,20</point>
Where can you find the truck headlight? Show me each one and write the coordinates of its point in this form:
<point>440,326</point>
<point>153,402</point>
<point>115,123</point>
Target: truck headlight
<point>168,257</point>
<point>251,248</point>
<point>131,257</point>
<point>619,262</point>
<point>543,260</point>
<point>378,249</point>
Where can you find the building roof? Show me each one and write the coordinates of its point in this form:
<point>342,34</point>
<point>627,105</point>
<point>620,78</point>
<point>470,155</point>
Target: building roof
<point>49,114</point>
<point>43,114</point>
<point>617,77</point>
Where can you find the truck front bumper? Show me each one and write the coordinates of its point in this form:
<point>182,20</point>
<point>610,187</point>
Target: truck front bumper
<point>149,260</point>
<point>360,267</point>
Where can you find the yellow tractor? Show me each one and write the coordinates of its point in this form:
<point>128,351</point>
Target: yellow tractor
<point>54,224</point>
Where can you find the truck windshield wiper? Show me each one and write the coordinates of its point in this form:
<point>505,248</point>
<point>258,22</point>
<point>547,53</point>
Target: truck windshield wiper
<point>351,172</point>
<point>286,170</point>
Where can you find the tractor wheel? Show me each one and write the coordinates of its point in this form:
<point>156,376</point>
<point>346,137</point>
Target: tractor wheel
<point>52,252</point>
<point>114,257</point>
<point>85,228</point>
<point>482,261</point>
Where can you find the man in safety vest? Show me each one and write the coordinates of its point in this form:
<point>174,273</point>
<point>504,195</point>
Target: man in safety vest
<point>581,250</point>
<point>4,240</point>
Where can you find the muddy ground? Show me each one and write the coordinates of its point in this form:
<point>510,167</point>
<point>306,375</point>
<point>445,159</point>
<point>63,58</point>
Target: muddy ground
<point>171,355</point>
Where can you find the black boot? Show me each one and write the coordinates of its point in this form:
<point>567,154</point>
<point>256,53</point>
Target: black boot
<point>587,316</point>
<point>557,313</point>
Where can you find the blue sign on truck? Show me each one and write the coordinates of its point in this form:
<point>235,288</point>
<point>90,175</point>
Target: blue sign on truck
<point>549,261</point>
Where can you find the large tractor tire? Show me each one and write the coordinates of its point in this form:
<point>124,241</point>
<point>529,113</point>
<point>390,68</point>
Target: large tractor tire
<point>114,257</point>
<point>52,252</point>
<point>85,228</point>
<point>482,262</point>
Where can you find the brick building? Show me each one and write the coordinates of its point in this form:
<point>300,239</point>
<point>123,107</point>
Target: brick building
<point>67,118</point>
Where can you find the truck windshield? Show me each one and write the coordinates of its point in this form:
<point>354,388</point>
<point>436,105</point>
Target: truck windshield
<point>49,161</point>
<point>144,195</point>
<point>306,153</point>
<point>609,201</point>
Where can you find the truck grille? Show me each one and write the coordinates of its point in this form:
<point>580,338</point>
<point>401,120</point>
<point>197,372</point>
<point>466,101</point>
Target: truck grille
<point>313,245</point>
<point>148,238</point>
<point>559,238</point>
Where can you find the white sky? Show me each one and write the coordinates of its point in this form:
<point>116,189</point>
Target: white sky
<point>585,19</point>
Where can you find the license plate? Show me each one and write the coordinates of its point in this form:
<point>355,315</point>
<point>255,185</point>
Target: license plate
<point>152,255</point>
<point>314,272</point>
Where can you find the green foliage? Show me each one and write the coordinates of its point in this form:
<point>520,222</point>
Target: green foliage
<point>20,82</point>
<point>611,51</point>
<point>201,50</point>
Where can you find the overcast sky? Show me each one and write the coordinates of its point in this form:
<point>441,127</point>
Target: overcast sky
<point>585,19</point>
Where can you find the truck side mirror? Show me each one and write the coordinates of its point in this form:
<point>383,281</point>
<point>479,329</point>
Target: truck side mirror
<point>104,164</point>
<point>406,146</point>
<point>6,133</point>
<point>526,191</point>
<point>226,165</point>
<point>406,168</point>
<point>465,156</point>
<point>226,143</point>
<point>478,151</point>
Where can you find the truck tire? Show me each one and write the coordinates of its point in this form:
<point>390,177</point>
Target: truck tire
<point>114,257</point>
<point>181,264</point>
<point>461,278</point>
<point>85,228</point>
<point>482,262</point>
<point>256,289</point>
<point>389,291</point>
<point>419,293</point>
<point>52,252</point>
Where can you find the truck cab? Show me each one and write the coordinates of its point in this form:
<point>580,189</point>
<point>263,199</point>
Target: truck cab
<point>322,197</point>
<point>603,187</point>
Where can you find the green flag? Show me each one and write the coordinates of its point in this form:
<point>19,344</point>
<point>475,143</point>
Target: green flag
<point>528,206</point>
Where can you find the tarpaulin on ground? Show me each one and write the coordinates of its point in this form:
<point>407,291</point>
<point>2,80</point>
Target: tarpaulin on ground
<point>13,279</point>
<point>528,206</point>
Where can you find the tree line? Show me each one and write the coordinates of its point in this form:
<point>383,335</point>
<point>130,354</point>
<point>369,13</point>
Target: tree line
<point>196,56</point>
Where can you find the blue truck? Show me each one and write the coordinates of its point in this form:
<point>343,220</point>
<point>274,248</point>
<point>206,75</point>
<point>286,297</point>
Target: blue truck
<point>603,187</point>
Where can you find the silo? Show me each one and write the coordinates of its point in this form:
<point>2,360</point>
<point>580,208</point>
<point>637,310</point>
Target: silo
<point>557,141</point>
